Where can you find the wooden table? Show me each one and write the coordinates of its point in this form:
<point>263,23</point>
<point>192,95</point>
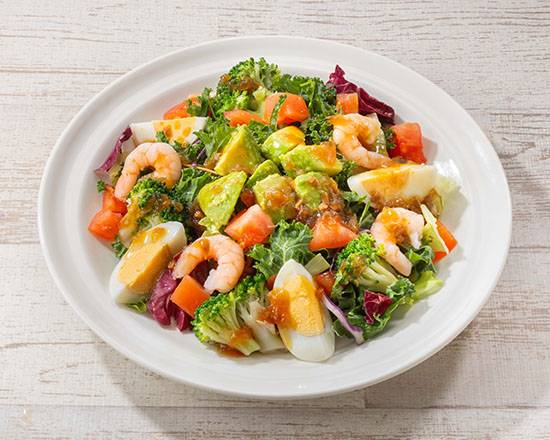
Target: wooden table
<point>58,380</point>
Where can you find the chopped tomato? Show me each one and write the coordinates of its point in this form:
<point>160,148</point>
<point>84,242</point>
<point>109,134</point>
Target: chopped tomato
<point>294,109</point>
<point>447,238</point>
<point>408,142</point>
<point>330,232</point>
<point>241,117</point>
<point>325,281</point>
<point>105,224</point>
<point>250,227</point>
<point>347,102</point>
<point>189,295</point>
<point>111,203</point>
<point>180,110</point>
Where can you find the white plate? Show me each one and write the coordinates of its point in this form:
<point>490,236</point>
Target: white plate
<point>480,218</point>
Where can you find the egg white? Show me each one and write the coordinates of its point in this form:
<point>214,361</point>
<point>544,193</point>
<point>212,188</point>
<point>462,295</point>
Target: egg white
<point>174,238</point>
<point>316,348</point>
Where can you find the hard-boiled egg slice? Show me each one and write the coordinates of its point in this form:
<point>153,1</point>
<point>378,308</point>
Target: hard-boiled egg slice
<point>148,255</point>
<point>306,327</point>
<point>179,130</point>
<point>401,185</point>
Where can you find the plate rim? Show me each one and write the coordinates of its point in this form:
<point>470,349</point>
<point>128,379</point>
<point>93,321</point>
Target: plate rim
<point>135,357</point>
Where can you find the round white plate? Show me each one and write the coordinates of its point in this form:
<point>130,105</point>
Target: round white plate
<point>480,217</point>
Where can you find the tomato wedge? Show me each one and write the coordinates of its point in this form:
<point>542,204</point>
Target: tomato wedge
<point>189,295</point>
<point>241,117</point>
<point>105,224</point>
<point>408,142</point>
<point>325,281</point>
<point>347,102</point>
<point>330,232</point>
<point>294,109</point>
<point>111,203</point>
<point>447,237</point>
<point>180,110</point>
<point>250,227</point>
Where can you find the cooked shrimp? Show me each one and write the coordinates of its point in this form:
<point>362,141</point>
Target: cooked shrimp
<point>393,226</point>
<point>351,132</point>
<point>160,156</point>
<point>221,248</point>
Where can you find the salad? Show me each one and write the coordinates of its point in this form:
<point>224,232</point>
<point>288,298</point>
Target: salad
<point>276,212</point>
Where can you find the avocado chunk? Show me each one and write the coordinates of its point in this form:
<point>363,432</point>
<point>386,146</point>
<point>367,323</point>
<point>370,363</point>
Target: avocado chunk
<point>281,142</point>
<point>217,199</point>
<point>265,169</point>
<point>239,154</point>
<point>306,158</point>
<point>275,195</point>
<point>315,188</point>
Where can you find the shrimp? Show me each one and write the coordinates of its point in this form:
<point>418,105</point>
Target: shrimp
<point>393,226</point>
<point>160,156</point>
<point>351,132</point>
<point>221,248</point>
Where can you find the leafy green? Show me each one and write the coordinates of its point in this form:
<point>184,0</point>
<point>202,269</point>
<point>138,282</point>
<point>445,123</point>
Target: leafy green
<point>427,284</point>
<point>320,98</point>
<point>422,261</point>
<point>317,129</point>
<point>118,247</point>
<point>100,185</point>
<point>260,132</point>
<point>360,206</point>
<point>213,136</point>
<point>275,112</point>
<point>145,190</point>
<point>161,136</point>
<point>139,306</point>
<point>252,74</point>
<point>289,241</point>
<point>348,169</point>
<point>202,107</point>
<point>390,140</point>
<point>189,185</point>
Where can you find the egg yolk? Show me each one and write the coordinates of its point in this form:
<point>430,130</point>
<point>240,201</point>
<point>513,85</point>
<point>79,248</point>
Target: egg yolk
<point>147,256</point>
<point>296,306</point>
<point>176,129</point>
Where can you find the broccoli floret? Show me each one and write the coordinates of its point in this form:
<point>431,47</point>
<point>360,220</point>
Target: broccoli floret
<point>217,320</point>
<point>147,189</point>
<point>250,72</point>
<point>360,263</point>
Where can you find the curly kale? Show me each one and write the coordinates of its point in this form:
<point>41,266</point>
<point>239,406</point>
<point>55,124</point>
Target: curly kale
<point>317,129</point>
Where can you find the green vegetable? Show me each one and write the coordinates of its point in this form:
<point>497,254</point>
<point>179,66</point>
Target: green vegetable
<point>100,185</point>
<point>265,169</point>
<point>239,154</point>
<point>360,206</point>
<point>217,321</point>
<point>388,136</point>
<point>379,145</point>
<point>260,131</point>
<point>202,107</point>
<point>348,169</point>
<point>118,247</point>
<point>289,241</point>
<point>145,190</point>
<point>401,293</point>
<point>427,284</point>
<point>214,136</point>
<point>189,185</point>
<point>422,261</point>
<point>275,195</point>
<point>360,263</point>
<point>306,158</point>
<point>314,188</point>
<point>139,306</point>
<point>317,129</point>
<point>281,142</point>
<point>320,98</point>
<point>161,137</point>
<point>430,234</point>
<point>317,265</point>
<point>251,74</point>
<point>217,199</point>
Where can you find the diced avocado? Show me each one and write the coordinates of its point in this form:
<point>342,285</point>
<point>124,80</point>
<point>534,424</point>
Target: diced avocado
<point>281,142</point>
<point>265,169</point>
<point>239,154</point>
<point>217,199</point>
<point>275,195</point>
<point>314,188</point>
<point>306,158</point>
